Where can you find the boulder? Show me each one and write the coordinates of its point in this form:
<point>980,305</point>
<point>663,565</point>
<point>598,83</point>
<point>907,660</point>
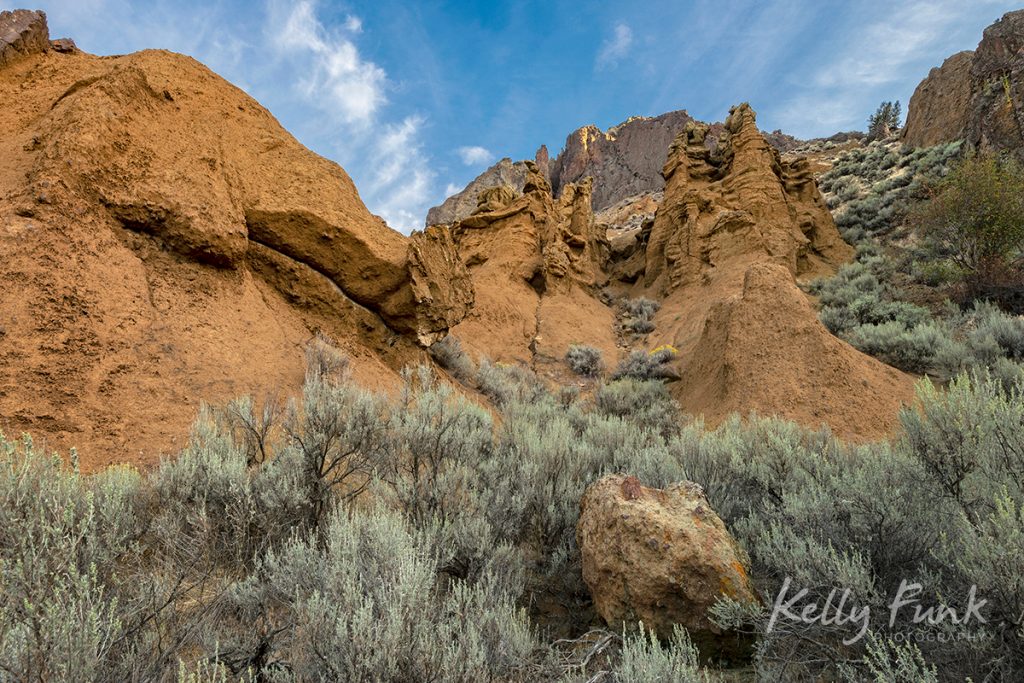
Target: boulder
<point>661,557</point>
<point>22,33</point>
<point>64,46</point>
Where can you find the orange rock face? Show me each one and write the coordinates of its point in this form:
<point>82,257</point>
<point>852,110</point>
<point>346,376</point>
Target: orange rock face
<point>535,263</point>
<point>166,242</point>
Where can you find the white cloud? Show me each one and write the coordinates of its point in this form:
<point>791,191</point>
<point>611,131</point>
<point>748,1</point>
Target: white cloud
<point>401,184</point>
<point>353,24</point>
<point>339,80</point>
<point>450,189</point>
<point>393,172</point>
<point>615,47</point>
<point>472,156</point>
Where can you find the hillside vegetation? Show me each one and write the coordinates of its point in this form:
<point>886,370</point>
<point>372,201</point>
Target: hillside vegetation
<point>353,537</point>
<point>907,299</point>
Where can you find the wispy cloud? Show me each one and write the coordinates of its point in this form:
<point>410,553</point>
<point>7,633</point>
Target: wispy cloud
<point>403,178</point>
<point>878,61</point>
<point>353,24</point>
<point>473,156</point>
<point>387,157</point>
<point>886,47</point>
<point>340,80</point>
<point>615,47</point>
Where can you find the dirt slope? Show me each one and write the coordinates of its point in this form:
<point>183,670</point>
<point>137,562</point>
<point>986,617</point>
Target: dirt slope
<point>165,242</point>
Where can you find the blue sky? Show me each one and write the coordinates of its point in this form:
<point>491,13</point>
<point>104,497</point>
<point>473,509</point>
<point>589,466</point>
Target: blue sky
<point>416,98</point>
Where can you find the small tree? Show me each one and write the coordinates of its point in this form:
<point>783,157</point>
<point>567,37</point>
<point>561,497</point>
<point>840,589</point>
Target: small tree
<point>884,121</point>
<point>975,219</point>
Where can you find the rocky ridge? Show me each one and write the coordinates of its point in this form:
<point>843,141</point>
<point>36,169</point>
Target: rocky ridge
<point>975,96</point>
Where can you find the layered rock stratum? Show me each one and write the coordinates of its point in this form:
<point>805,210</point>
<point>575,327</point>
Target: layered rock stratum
<point>167,242</point>
<point>975,96</point>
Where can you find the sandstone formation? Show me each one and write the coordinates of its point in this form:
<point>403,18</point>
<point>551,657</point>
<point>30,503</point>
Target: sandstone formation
<point>535,263</point>
<point>22,33</point>
<point>166,242</point>
<point>736,204</point>
<point>975,96</point>
<point>737,226</point>
<point>662,557</point>
<point>624,161</point>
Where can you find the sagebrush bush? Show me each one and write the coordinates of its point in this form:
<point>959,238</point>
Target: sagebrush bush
<point>449,355</point>
<point>643,365</point>
<point>645,660</point>
<point>419,537</point>
<point>584,360</point>
<point>370,602</point>
<point>639,314</point>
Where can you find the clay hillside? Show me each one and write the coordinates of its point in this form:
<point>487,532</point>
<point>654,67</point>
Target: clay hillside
<point>168,243</point>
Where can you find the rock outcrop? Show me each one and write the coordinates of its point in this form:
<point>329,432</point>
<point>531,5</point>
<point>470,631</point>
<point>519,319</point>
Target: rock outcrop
<point>463,203</point>
<point>535,263</point>
<point>939,108</point>
<point>166,242</point>
<point>977,97</point>
<point>996,121</point>
<point>662,557</point>
<point>624,161</point>
<point>736,204</point>
<point>22,33</point>
<point>737,226</point>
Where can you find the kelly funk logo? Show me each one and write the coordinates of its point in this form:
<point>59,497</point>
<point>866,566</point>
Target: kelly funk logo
<point>841,610</point>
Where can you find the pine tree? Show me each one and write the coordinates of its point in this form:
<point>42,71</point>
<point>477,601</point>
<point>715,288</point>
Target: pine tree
<point>884,121</point>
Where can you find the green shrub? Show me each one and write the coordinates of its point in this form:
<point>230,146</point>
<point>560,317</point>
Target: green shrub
<point>639,314</point>
<point>371,603</point>
<point>645,660</point>
<point>643,366</point>
<point>212,567</point>
<point>976,220</point>
<point>912,350</point>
